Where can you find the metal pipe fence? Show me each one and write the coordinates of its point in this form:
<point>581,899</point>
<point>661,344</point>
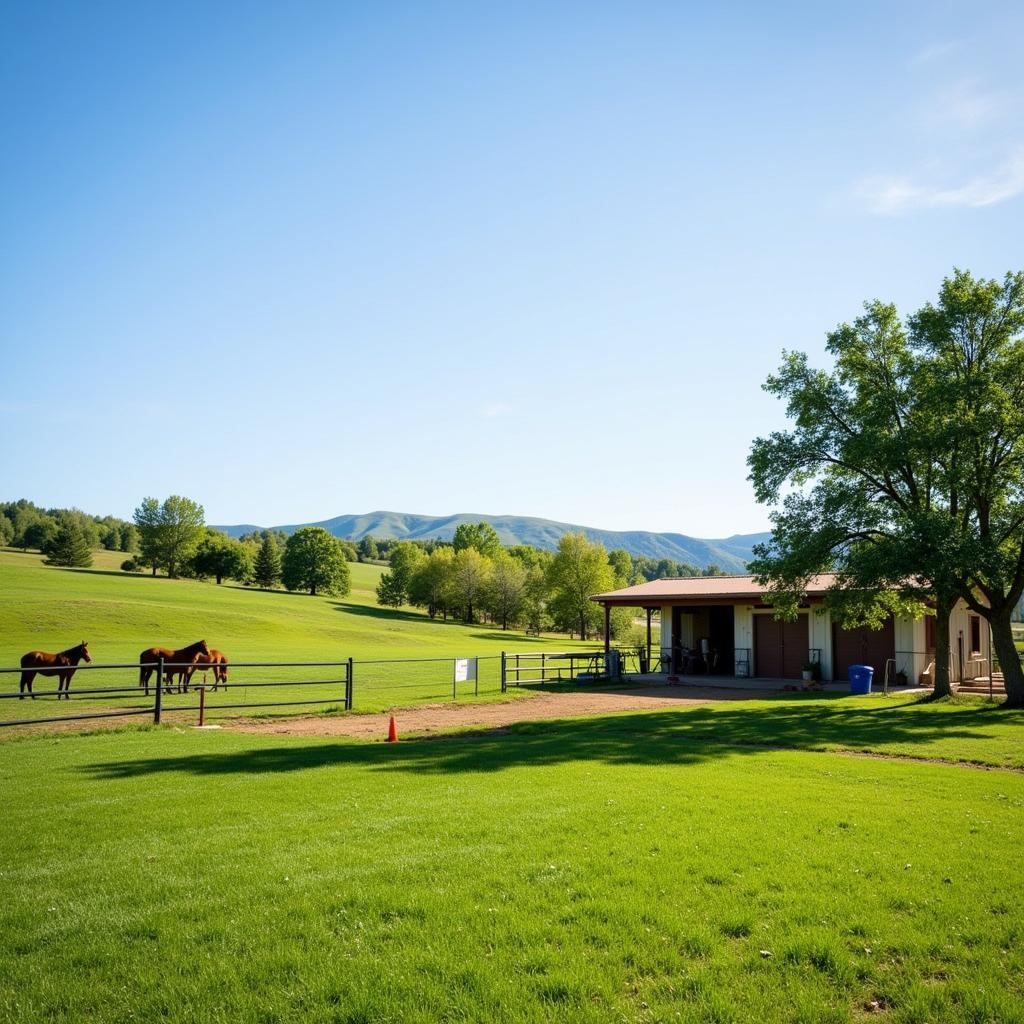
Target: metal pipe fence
<point>167,687</point>
<point>162,689</point>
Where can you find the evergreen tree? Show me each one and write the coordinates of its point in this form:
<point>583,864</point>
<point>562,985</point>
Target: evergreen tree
<point>69,547</point>
<point>267,567</point>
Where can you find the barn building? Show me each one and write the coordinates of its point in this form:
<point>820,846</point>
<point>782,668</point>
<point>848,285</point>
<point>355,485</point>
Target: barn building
<point>722,625</point>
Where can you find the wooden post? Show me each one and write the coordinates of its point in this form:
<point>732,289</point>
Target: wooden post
<point>504,677</point>
<point>649,613</point>
<point>348,687</point>
<point>607,628</point>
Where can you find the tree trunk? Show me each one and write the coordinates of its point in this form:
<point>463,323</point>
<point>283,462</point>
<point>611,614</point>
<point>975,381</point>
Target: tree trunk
<point>943,609</point>
<point>312,590</point>
<point>218,579</point>
<point>1009,659</point>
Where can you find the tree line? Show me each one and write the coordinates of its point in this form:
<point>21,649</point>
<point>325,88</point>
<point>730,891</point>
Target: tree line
<point>476,577</point>
<point>67,536</point>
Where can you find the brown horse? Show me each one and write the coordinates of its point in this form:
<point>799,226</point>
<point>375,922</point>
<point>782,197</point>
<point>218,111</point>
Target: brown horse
<point>45,664</point>
<point>215,660</point>
<point>149,660</point>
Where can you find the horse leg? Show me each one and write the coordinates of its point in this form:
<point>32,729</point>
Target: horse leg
<point>26,684</point>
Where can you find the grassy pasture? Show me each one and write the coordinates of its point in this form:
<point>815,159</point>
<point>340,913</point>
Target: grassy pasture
<point>667,866</point>
<point>120,614</point>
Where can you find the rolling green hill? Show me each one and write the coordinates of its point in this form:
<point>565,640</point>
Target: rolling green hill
<point>730,553</point>
<point>120,614</point>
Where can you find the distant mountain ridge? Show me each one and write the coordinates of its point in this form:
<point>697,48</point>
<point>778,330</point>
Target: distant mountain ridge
<point>730,553</point>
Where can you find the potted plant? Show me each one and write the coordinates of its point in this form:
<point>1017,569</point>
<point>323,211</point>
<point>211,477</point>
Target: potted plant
<point>807,671</point>
<point>901,678</point>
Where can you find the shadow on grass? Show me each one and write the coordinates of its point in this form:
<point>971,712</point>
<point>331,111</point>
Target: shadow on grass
<point>689,736</point>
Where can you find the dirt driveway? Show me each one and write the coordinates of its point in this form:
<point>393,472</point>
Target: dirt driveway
<point>434,718</point>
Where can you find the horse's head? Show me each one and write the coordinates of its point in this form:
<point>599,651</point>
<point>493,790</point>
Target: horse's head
<point>204,647</point>
<point>84,647</point>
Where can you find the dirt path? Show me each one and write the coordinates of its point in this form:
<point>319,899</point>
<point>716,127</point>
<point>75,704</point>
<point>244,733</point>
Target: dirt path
<point>432,718</point>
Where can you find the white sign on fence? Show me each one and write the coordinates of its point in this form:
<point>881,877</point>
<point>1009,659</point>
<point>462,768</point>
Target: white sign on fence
<point>465,670</point>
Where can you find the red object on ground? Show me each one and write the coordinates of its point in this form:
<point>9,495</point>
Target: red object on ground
<point>392,731</point>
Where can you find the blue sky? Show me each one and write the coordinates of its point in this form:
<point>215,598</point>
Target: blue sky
<point>299,260</point>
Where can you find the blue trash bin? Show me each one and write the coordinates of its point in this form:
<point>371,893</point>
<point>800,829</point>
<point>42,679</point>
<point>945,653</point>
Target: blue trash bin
<point>860,678</point>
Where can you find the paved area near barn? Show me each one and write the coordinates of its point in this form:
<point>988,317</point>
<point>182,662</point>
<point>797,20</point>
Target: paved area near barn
<point>429,718</point>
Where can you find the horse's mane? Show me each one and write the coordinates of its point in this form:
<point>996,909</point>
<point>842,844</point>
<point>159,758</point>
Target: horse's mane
<point>73,650</point>
<point>197,646</point>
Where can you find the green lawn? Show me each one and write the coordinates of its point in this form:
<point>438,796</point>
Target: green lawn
<point>120,614</point>
<point>668,866</point>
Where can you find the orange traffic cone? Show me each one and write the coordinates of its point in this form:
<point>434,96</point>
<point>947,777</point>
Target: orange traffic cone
<point>392,731</point>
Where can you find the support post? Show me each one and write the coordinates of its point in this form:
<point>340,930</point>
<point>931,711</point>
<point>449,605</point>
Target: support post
<point>202,705</point>
<point>504,675</point>
<point>348,687</point>
<point>158,702</point>
<point>650,611</point>
<point>607,628</point>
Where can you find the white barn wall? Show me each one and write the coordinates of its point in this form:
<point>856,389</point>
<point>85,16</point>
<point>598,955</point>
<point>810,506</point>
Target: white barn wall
<point>743,633</point>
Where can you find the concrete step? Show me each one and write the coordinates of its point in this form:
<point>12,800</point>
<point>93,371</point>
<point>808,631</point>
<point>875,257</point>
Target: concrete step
<point>983,688</point>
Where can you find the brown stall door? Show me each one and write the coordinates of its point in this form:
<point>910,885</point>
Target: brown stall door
<point>863,647</point>
<point>780,648</point>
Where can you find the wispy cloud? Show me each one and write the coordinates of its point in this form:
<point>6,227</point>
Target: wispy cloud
<point>894,195</point>
<point>966,104</point>
<point>934,52</point>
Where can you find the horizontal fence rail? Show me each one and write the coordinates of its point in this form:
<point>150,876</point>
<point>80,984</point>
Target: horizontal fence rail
<point>154,690</point>
<point>164,689</point>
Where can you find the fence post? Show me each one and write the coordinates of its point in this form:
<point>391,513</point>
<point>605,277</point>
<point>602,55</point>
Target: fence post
<point>454,682</point>
<point>158,703</point>
<point>348,687</point>
<point>504,678</point>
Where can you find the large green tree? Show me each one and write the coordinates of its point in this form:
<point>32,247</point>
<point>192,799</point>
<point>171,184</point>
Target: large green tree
<point>431,586</point>
<point>471,572</point>
<point>973,338</point>
<point>170,531</point>
<point>579,570</point>
<point>903,470</point>
<point>506,591</point>
<point>480,536</point>
<point>219,556</point>
<point>315,561</point>
<point>393,587</point>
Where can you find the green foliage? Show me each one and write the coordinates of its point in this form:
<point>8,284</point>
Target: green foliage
<point>393,589</point>
<point>368,551</point>
<point>69,547</point>
<point>506,595</point>
<point>579,570</point>
<point>431,585</point>
<point>471,573</point>
<point>131,565</point>
<point>622,566</point>
<point>39,533</point>
<point>169,532</point>
<point>221,557</point>
<point>906,464</point>
<point>6,531</point>
<point>267,563</point>
<point>315,561</point>
<point>480,536</point>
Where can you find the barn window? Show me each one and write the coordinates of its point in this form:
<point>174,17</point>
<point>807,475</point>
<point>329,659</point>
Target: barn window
<point>975,634</point>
